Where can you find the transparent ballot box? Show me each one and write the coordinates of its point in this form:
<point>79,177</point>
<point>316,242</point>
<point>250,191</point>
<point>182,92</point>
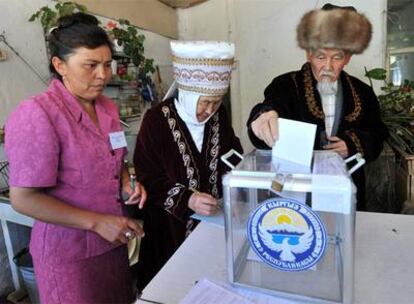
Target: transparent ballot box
<point>290,229</point>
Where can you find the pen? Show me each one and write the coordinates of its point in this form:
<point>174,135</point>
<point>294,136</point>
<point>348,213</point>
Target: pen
<point>219,201</point>
<point>195,191</point>
<point>132,181</point>
<point>149,301</point>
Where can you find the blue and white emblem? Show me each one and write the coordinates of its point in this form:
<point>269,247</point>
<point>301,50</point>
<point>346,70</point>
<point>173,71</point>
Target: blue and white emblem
<point>286,234</point>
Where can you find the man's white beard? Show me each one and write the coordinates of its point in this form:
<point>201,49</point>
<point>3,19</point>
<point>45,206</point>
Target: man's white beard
<point>326,87</point>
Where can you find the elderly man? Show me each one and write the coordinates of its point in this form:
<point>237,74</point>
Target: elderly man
<point>345,110</point>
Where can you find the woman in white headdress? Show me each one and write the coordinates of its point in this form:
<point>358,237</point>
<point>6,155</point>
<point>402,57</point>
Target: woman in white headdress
<point>177,156</point>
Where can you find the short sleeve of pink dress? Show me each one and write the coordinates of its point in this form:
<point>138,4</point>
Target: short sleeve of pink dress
<point>36,164</point>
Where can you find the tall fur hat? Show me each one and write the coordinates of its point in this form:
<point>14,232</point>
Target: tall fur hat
<point>334,27</point>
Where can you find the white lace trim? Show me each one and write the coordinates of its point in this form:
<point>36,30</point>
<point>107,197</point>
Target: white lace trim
<point>169,202</point>
<point>192,182</point>
<point>214,152</point>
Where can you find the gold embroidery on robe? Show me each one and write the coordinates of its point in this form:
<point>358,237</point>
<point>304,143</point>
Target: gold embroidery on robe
<point>314,107</point>
<point>356,141</point>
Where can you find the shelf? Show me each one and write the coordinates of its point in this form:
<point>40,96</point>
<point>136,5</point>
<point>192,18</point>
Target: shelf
<point>118,83</point>
<point>130,116</point>
<point>119,55</point>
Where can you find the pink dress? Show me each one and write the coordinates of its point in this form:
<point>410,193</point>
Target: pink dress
<point>51,143</point>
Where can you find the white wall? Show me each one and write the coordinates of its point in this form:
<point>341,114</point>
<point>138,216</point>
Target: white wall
<point>18,82</point>
<point>264,32</point>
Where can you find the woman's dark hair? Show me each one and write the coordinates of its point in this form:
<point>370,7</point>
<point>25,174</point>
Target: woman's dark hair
<point>72,32</point>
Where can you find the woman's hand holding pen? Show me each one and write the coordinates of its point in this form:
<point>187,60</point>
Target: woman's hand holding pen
<point>203,203</point>
<point>136,192</point>
<point>120,229</point>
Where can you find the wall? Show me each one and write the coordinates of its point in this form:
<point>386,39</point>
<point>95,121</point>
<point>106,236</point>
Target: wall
<point>17,81</point>
<point>151,15</point>
<point>264,32</point>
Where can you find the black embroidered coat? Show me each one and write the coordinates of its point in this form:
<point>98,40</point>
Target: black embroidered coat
<point>169,165</point>
<point>294,96</point>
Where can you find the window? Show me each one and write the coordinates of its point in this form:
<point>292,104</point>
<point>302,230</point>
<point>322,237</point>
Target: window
<point>400,41</point>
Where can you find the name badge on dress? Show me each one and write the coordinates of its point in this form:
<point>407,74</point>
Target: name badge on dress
<point>117,140</point>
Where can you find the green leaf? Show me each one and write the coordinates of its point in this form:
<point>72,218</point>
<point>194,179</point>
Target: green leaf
<point>34,16</point>
<point>66,9</point>
<point>377,74</point>
<point>124,22</point>
<point>81,8</point>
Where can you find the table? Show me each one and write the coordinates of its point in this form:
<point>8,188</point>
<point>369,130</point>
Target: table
<point>384,266</point>
<point>7,214</point>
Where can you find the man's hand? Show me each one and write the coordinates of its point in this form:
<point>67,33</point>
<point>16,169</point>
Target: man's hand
<point>265,127</point>
<point>203,203</point>
<point>337,145</point>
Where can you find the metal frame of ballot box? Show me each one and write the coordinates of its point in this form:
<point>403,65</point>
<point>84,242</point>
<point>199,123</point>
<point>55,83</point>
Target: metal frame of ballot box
<point>327,190</point>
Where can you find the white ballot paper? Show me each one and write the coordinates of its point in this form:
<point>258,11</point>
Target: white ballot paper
<point>210,292</point>
<point>216,219</point>
<point>207,292</point>
<point>295,142</point>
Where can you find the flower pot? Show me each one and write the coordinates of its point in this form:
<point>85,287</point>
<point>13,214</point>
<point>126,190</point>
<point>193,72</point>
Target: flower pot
<point>118,47</point>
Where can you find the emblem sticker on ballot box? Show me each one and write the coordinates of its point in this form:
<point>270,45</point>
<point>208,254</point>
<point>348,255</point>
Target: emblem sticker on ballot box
<point>286,234</point>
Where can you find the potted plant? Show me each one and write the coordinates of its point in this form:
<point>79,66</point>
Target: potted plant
<point>397,110</point>
<point>394,179</point>
<point>48,16</point>
<point>126,36</point>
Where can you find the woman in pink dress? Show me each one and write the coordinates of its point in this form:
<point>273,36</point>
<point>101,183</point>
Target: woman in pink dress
<point>66,171</point>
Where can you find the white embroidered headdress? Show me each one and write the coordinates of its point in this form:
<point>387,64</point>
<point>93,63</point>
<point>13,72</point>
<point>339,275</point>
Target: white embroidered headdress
<point>202,66</point>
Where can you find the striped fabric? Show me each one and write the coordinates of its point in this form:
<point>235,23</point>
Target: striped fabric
<point>328,104</point>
